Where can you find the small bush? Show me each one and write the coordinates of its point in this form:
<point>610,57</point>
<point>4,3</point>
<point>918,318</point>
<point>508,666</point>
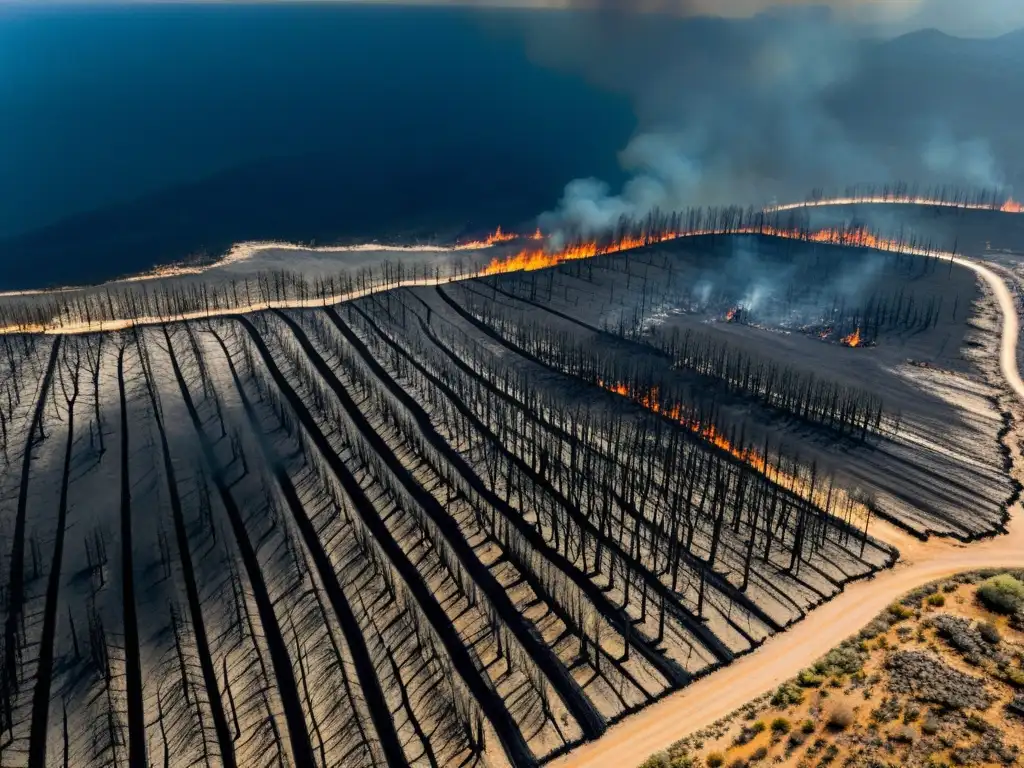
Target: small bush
<point>930,726</point>
<point>797,739</point>
<point>660,760</point>
<point>808,679</point>
<point>904,734</point>
<point>900,612</point>
<point>759,754</point>
<point>807,726</point>
<point>1002,594</point>
<point>786,695</point>
<point>949,587</point>
<point>1015,677</point>
<point>781,726</point>
<point>841,718</point>
<point>739,762</point>
<point>845,659</point>
<point>759,727</point>
<point>936,600</point>
<point>990,633</point>
<point>715,760</point>
<point>977,724</point>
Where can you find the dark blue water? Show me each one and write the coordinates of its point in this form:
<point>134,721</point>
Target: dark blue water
<point>134,135</point>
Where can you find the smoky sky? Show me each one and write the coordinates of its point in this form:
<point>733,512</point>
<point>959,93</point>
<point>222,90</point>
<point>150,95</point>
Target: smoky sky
<point>956,17</point>
<point>775,99</point>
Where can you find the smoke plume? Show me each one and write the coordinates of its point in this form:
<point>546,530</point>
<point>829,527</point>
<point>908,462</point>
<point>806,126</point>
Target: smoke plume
<point>748,110</point>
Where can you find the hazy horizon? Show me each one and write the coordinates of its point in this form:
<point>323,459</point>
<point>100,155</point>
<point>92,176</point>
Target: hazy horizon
<point>982,18</point>
<point>183,128</point>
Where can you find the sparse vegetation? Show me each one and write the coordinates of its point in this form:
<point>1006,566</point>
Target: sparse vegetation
<point>1003,594</point>
<point>896,707</point>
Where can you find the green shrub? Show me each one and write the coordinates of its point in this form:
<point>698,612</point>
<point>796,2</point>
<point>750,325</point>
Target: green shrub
<point>1015,677</point>
<point>660,760</point>
<point>759,727</point>
<point>936,600</point>
<point>715,760</point>
<point>786,695</point>
<point>807,726</point>
<point>899,612</point>
<point>846,659</point>
<point>781,726</point>
<point>977,724</point>
<point>808,679</point>
<point>1002,594</point>
<point>759,754</point>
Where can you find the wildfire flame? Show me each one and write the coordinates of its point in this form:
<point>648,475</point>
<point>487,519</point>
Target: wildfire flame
<point>495,238</point>
<point>500,237</point>
<point>1012,206</point>
<point>853,340</point>
<point>531,259</point>
<point>731,314</point>
<point>650,400</point>
<point>821,496</point>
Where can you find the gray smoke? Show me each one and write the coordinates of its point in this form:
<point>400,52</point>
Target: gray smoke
<point>746,111</point>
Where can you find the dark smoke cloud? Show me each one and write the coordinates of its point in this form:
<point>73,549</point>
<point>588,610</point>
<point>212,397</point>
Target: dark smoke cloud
<point>751,109</point>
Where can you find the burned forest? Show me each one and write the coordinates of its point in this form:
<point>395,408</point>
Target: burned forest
<point>468,521</point>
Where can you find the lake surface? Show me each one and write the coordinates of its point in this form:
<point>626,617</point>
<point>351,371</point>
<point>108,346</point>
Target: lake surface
<point>131,136</point>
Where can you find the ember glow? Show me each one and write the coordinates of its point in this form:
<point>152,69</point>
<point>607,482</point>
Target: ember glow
<point>853,340</point>
<point>1012,206</point>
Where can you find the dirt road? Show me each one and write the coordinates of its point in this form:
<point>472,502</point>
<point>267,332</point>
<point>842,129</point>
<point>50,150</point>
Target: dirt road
<point>784,655</point>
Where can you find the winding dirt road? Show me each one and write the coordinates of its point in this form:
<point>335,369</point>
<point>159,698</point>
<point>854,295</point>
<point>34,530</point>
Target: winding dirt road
<point>629,743</point>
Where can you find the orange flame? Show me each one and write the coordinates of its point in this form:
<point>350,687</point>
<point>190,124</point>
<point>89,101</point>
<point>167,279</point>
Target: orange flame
<point>820,495</point>
<point>650,400</point>
<point>731,314</point>
<point>530,259</point>
<point>538,235</point>
<point>495,238</point>
<point>500,237</point>
<point>853,340</point>
<point>1012,206</point>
